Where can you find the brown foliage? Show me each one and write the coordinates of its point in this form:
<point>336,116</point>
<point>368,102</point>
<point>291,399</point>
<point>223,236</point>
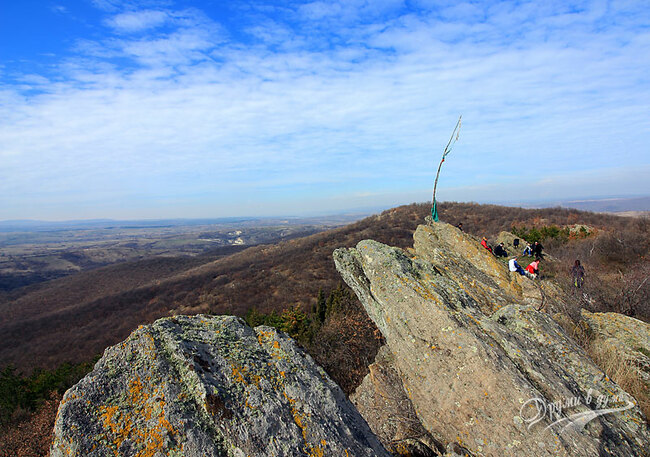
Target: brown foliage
<point>31,436</point>
<point>76,317</point>
<point>616,268</point>
<point>623,372</point>
<point>346,344</point>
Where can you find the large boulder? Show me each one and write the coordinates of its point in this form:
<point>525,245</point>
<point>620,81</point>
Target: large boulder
<point>478,364</point>
<point>508,240</point>
<point>209,386</point>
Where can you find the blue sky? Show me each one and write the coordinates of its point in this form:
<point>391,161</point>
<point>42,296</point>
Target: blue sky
<point>164,108</point>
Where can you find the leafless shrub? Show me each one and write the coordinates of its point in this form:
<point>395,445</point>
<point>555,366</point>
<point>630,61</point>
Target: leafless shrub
<point>346,344</point>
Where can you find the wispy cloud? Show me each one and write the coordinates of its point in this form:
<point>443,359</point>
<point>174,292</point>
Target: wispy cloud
<point>137,21</point>
<point>59,9</point>
<point>326,98</point>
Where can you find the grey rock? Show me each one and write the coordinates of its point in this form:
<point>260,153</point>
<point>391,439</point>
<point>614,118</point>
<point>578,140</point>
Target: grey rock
<point>383,402</point>
<point>209,386</point>
<point>475,361</point>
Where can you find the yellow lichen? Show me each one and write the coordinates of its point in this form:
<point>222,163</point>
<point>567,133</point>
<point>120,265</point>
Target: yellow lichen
<point>122,424</point>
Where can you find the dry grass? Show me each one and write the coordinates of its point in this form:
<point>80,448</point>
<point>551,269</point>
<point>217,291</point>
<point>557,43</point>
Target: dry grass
<point>623,371</point>
<point>616,366</point>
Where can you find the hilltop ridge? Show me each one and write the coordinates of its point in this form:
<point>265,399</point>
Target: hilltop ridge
<point>472,362</point>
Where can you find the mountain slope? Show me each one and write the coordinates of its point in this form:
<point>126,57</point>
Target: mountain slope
<point>75,318</point>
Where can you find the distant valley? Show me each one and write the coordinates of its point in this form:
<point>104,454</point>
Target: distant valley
<point>32,252</point>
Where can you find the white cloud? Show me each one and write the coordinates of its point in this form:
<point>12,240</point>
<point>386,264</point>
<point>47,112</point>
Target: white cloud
<point>198,113</point>
<point>137,21</point>
<point>319,10</point>
<point>129,5</point>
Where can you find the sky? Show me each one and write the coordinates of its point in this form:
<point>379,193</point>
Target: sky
<point>135,109</point>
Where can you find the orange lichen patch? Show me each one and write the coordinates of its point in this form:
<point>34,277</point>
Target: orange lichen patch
<point>264,335</point>
<point>420,288</point>
<point>123,424</point>
<point>316,452</point>
<point>301,420</point>
<point>238,374</point>
<point>70,398</point>
<point>248,405</point>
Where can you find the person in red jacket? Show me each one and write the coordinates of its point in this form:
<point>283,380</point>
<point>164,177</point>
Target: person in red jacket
<point>485,245</point>
<point>533,268</point>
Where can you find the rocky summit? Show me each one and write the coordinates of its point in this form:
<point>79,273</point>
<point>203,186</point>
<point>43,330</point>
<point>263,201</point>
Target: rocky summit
<point>209,386</point>
<point>486,370</point>
<point>473,365</point>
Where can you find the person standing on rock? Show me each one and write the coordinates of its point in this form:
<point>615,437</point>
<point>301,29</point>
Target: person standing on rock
<point>578,274</point>
<point>537,250</point>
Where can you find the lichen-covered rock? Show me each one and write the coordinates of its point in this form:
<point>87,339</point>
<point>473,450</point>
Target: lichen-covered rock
<point>623,335</point>
<point>508,240</point>
<point>484,277</point>
<point>209,386</point>
<point>476,363</point>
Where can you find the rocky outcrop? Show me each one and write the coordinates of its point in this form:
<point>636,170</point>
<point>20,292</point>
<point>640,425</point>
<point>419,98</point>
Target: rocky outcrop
<point>209,386</point>
<point>485,371</point>
<point>483,276</point>
<point>508,240</point>
<point>626,337</point>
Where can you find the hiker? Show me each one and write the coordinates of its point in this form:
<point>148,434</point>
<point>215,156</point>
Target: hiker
<point>533,268</point>
<point>515,243</point>
<point>514,266</point>
<point>500,251</point>
<point>537,249</point>
<point>460,226</point>
<point>485,245</point>
<point>578,273</point>
<point>528,250</point>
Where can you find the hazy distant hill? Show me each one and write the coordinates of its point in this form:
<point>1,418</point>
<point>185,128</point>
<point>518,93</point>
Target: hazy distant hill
<point>74,318</point>
<point>606,205</point>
